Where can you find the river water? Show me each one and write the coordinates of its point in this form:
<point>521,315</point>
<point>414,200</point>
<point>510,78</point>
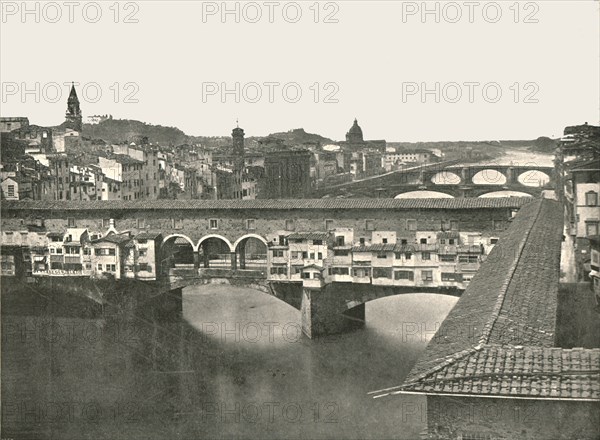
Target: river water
<point>234,366</point>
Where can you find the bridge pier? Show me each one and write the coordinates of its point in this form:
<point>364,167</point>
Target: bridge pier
<point>324,312</point>
<point>233,258</point>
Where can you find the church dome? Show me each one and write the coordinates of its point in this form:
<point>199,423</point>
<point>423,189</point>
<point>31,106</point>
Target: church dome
<point>355,133</point>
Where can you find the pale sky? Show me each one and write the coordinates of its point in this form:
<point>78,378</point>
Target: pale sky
<point>378,54</point>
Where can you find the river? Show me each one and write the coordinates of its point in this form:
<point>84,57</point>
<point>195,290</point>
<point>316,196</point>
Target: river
<point>233,366</point>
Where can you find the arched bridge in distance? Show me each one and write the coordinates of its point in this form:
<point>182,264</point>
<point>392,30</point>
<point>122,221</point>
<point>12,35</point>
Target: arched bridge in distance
<point>452,180</point>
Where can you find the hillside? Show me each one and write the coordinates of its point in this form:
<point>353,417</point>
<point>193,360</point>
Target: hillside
<point>119,130</point>
<point>298,136</point>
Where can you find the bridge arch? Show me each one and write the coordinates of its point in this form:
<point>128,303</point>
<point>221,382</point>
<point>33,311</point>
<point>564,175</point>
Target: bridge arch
<point>489,176</point>
<point>216,251</point>
<point>215,236</point>
<point>251,252</point>
<point>424,194</point>
<point>176,236</point>
<point>176,250</point>
<point>446,177</point>
<point>534,178</point>
<point>258,237</point>
<point>505,193</point>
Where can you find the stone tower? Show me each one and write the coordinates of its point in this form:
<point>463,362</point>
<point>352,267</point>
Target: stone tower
<point>73,118</point>
<point>238,160</point>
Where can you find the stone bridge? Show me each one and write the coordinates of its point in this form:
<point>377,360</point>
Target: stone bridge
<point>334,308</point>
<point>453,180</point>
<point>226,241</point>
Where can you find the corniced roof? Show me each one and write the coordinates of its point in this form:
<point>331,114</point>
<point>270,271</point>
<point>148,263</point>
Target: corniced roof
<point>287,204</point>
<point>498,339</point>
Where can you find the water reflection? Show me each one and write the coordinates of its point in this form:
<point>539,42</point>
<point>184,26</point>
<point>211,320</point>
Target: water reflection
<point>209,375</point>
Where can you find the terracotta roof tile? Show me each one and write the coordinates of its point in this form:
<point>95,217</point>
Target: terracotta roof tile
<point>287,204</point>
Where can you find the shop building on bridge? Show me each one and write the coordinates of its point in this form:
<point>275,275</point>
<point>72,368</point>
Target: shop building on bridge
<point>428,242</point>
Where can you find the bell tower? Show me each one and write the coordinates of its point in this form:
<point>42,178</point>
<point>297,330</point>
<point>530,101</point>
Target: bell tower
<point>73,118</point>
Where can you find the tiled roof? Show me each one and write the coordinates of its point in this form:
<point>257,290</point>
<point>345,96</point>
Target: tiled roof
<point>308,236</point>
<point>148,236</point>
<point>498,339</point>
<point>113,238</point>
<point>539,372</point>
<point>395,247</point>
<point>287,204</point>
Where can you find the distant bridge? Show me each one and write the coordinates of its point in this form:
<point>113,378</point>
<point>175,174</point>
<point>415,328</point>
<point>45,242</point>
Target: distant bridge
<point>452,179</point>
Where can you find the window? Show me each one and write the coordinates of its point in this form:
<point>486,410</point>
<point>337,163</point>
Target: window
<point>404,275</point>
<point>423,241</point>
<point>145,267</point>
<point>111,252</point>
<point>99,266</point>
<point>382,272</point>
<point>370,225</point>
<point>250,224</point>
<point>305,255</point>
<point>411,225</point>
<point>213,223</point>
<point>290,225</point>
<point>384,240</point>
<point>451,241</point>
<point>277,253</point>
<point>404,241</point>
<point>493,240</point>
<point>341,253</point>
<point>382,255</point>
<point>11,191</point>
<point>591,198</point>
<point>362,241</point>
<point>59,250</point>
<point>279,270</point>
<point>452,276</point>
<point>468,259</point>
<point>71,222</point>
<point>339,271</point>
<point>591,228</point>
<point>318,242</point>
<point>408,256</point>
<point>141,223</point>
<point>426,256</point>
<point>87,251</point>
<point>143,252</point>
<point>328,225</point>
<point>306,275</point>
<point>447,258</point>
<point>340,240</point>
<point>427,275</point>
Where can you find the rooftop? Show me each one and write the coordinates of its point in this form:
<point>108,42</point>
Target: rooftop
<point>288,204</point>
<point>499,337</point>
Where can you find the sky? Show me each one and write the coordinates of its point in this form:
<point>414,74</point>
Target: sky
<point>409,71</point>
